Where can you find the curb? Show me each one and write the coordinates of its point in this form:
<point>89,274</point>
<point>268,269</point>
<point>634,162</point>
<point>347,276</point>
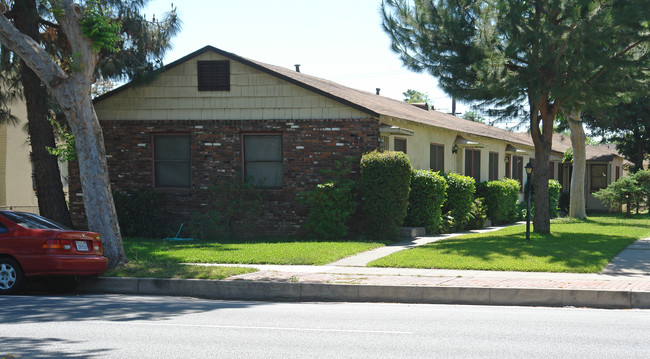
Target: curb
<point>323,292</point>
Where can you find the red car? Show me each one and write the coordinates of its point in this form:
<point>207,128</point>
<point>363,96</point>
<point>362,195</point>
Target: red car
<point>31,246</point>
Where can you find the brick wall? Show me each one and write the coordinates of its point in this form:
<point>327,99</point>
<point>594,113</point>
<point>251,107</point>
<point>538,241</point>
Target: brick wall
<point>309,146</point>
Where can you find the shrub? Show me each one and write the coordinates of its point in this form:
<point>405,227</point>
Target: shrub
<point>139,213</point>
<point>624,191</point>
<point>331,205</point>
<point>234,202</point>
<point>428,193</point>
<point>554,189</point>
<point>385,180</point>
<point>460,196</point>
<point>477,215</point>
<point>500,199</point>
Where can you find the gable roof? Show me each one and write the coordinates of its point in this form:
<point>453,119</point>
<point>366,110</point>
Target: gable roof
<point>604,153</point>
<point>371,103</point>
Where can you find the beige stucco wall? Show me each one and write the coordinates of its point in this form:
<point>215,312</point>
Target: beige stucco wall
<point>253,95</point>
<point>418,147</point>
<point>16,189</point>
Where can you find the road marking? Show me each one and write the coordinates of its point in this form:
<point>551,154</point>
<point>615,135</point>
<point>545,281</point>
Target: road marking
<point>256,327</point>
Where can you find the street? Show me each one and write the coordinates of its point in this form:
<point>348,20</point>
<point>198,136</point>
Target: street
<point>120,326</point>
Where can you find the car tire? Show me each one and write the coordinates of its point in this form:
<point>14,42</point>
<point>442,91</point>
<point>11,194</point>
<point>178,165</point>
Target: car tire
<point>11,276</point>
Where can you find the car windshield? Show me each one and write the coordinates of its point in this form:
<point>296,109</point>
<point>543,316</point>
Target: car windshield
<point>32,221</point>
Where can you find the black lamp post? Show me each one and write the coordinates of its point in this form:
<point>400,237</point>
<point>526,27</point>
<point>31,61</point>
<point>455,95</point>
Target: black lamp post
<point>529,171</point>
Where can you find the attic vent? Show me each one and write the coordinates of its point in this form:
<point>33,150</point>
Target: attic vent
<point>213,75</point>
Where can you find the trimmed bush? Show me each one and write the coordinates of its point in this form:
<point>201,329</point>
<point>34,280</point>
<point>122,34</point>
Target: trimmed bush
<point>139,213</point>
<point>554,189</point>
<point>460,197</point>
<point>477,215</point>
<point>385,180</point>
<point>428,193</point>
<point>331,204</point>
<point>500,198</point>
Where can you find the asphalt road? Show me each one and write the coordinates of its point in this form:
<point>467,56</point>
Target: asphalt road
<point>118,326</point>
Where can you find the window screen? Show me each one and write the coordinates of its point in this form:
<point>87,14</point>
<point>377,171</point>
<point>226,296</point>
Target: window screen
<point>473,164</point>
<point>437,157</point>
<point>263,160</point>
<point>400,145</point>
<point>518,170</point>
<point>494,166</point>
<point>598,177</point>
<point>213,75</point>
<point>171,161</point>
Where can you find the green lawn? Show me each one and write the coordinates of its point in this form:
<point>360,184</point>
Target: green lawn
<point>288,251</point>
<point>147,269</point>
<point>573,246</point>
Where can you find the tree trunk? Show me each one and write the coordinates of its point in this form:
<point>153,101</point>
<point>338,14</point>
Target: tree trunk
<point>542,112</point>
<point>47,176</point>
<point>577,208</point>
<point>93,171</point>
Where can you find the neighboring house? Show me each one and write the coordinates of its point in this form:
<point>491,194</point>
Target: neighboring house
<point>212,116</point>
<point>604,166</point>
<point>16,185</point>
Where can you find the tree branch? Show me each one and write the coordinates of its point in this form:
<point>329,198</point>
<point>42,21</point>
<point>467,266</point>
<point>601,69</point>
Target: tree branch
<point>32,53</point>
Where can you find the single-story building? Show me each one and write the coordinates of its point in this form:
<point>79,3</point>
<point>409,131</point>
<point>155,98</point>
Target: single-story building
<point>213,115</point>
<point>16,184</point>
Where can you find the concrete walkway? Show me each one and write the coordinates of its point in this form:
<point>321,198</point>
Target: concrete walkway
<point>624,283</point>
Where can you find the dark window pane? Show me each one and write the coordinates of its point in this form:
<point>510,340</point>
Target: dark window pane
<point>263,160</point>
<point>400,145</point>
<point>437,158</point>
<point>172,162</point>
<point>172,174</point>
<point>598,177</point>
<point>263,148</point>
<point>171,147</point>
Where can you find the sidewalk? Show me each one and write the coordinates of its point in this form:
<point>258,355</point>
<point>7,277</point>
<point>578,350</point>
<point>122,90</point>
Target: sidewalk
<point>624,283</point>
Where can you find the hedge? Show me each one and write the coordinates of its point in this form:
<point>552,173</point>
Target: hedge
<point>460,197</point>
<point>385,180</point>
<point>500,198</point>
<point>428,194</point>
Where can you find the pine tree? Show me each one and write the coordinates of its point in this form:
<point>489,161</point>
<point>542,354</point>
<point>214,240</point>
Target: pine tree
<point>502,53</point>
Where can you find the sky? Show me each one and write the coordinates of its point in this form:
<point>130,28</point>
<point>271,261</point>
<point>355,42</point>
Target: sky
<point>338,40</point>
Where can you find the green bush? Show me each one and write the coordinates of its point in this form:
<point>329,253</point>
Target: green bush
<point>554,189</point>
<point>477,215</point>
<point>428,193</point>
<point>625,191</point>
<point>460,197</point>
<point>500,198</point>
<point>331,204</point>
<point>234,203</point>
<point>139,213</point>
<point>385,180</point>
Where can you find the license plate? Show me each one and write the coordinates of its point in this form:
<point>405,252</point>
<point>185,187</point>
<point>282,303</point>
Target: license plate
<point>82,246</point>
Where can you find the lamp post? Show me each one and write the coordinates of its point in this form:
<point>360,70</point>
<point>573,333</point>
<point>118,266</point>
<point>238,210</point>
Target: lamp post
<point>529,171</point>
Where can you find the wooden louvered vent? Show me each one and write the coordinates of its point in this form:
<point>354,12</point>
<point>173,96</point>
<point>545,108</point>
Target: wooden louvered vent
<point>213,75</point>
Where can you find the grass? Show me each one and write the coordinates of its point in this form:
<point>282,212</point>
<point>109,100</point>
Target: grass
<point>287,251</point>
<point>573,246</point>
<point>147,269</point>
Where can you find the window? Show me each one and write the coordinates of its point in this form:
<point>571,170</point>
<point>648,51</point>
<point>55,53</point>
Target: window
<point>518,170</point>
<point>473,164</point>
<point>598,177</point>
<point>551,172</point>
<point>384,143</point>
<point>508,162</point>
<point>437,157</point>
<point>171,161</point>
<point>213,75</point>
<point>263,160</point>
<point>400,145</point>
<point>618,173</point>
<point>494,166</point>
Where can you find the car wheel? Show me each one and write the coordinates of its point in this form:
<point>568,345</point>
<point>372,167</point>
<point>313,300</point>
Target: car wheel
<point>11,276</point>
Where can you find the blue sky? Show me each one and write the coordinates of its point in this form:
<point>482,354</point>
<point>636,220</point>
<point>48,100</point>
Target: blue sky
<point>339,40</point>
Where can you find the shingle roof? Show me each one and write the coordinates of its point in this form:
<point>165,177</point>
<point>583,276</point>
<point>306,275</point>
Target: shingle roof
<point>603,153</point>
<point>377,106</point>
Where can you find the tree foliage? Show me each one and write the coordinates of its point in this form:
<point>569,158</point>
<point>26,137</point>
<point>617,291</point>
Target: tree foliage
<point>502,53</point>
<point>413,96</point>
